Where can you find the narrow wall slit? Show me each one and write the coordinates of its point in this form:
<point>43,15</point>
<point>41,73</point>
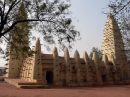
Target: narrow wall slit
<point>49,77</point>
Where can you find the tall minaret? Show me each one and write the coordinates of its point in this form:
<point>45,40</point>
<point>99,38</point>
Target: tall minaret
<point>37,66</point>
<point>113,45</point>
<point>19,44</point>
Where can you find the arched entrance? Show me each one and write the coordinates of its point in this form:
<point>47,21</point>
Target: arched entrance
<point>49,77</point>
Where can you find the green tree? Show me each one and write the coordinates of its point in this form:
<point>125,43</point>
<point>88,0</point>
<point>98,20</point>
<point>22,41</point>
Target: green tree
<point>19,36</point>
<point>49,17</point>
<point>121,10</point>
<point>98,52</point>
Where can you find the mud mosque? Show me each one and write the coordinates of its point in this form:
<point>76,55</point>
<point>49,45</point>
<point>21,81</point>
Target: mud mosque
<point>55,70</point>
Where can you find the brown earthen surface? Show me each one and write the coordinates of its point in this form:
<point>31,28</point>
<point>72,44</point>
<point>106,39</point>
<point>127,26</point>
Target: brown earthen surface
<point>7,90</point>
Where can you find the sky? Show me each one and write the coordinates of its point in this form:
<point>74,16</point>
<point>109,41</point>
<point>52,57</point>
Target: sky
<point>89,20</point>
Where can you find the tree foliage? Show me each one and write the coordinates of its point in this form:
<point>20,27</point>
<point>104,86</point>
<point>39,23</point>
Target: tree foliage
<point>97,51</point>
<point>49,17</point>
<point>121,10</point>
<point>18,44</point>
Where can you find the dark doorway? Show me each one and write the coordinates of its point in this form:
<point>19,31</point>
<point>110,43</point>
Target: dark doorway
<point>49,77</point>
<point>104,79</point>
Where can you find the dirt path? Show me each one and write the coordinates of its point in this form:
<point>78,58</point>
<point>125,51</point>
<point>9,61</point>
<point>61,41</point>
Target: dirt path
<point>7,90</point>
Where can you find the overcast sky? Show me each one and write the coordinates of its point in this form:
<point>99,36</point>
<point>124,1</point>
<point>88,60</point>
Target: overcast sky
<point>88,18</point>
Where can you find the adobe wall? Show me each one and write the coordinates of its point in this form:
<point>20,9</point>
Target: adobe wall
<point>68,71</point>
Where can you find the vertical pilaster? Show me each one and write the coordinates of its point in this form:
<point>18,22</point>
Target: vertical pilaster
<point>115,70</point>
<point>37,66</point>
<point>78,64</point>
<point>68,67</point>
<point>56,67</point>
<point>97,62</point>
<point>86,59</point>
<point>105,63</point>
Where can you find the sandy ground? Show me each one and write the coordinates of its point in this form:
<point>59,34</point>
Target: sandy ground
<point>7,90</point>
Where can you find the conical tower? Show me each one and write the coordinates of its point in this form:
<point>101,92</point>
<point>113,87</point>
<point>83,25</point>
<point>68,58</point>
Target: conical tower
<point>112,41</point>
<point>19,44</point>
<point>37,66</point>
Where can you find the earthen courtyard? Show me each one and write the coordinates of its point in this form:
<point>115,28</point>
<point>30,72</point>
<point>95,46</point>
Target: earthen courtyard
<point>7,90</point>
